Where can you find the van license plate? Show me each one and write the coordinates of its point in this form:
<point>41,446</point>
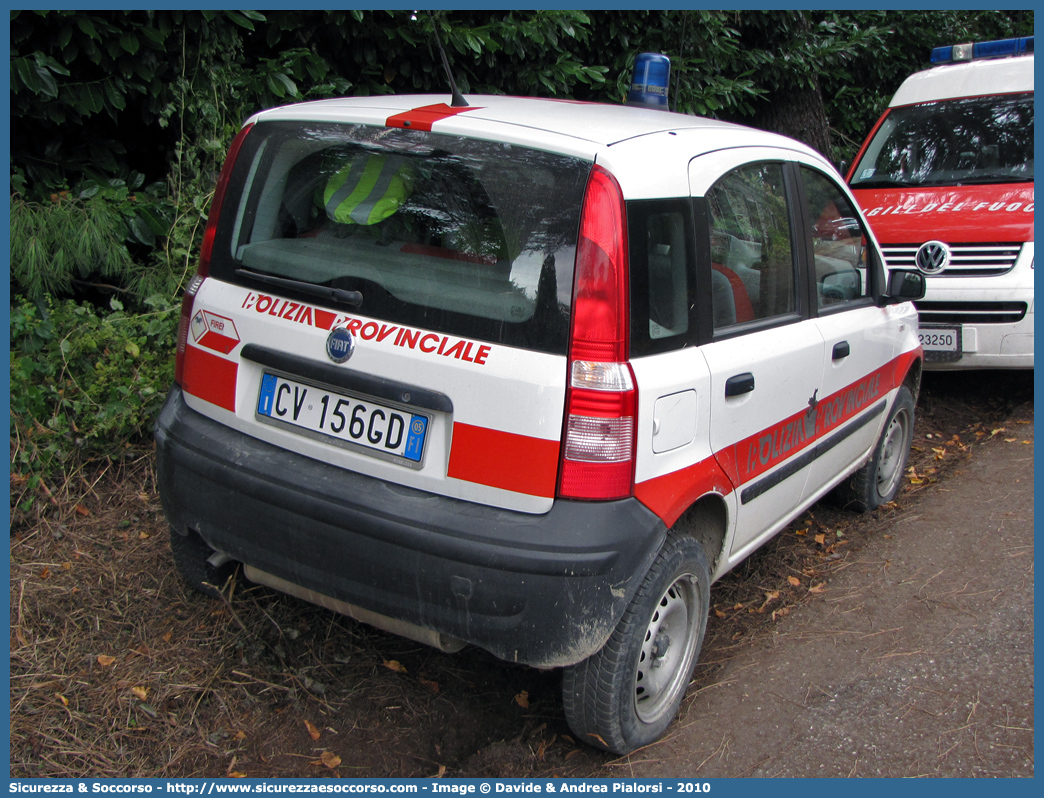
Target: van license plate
<point>375,428</point>
<point>939,339</point>
<point>940,344</point>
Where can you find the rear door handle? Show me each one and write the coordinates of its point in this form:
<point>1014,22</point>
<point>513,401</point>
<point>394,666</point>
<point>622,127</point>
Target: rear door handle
<point>740,384</point>
<point>841,350</point>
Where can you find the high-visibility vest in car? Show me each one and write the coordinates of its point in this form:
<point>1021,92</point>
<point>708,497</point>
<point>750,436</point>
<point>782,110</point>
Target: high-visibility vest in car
<point>368,189</point>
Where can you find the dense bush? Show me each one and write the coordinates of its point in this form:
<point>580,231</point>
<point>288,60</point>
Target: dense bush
<point>85,382</point>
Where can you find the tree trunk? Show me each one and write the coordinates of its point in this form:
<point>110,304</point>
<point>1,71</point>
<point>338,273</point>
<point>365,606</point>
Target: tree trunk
<point>798,113</point>
<point>790,107</point>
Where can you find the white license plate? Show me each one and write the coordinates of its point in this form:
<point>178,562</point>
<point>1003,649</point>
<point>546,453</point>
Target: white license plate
<point>363,423</point>
<point>939,339</point>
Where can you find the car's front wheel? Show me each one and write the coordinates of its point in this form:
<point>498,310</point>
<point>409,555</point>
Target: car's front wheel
<point>878,481</point>
<point>626,695</point>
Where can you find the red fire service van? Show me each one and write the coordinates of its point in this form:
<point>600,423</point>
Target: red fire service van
<point>946,181</point>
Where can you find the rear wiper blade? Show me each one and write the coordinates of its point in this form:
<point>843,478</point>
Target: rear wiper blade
<point>338,295</point>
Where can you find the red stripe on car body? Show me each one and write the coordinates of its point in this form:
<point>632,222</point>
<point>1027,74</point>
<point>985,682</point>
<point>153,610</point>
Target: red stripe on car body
<point>210,378</point>
<point>669,495</point>
<point>672,494</point>
<point>504,460</point>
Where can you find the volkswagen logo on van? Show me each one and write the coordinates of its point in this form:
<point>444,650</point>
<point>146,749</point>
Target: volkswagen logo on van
<point>340,344</point>
<point>933,257</point>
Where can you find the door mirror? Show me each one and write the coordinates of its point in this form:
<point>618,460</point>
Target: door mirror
<point>905,285</point>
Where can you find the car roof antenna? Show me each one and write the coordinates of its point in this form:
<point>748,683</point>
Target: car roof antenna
<point>458,100</point>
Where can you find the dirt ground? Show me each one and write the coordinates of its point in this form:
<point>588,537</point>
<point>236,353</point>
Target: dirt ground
<point>904,649</point>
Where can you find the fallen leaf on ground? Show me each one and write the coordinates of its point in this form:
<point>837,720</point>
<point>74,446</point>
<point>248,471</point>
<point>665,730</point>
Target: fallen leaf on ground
<point>105,660</point>
<point>139,693</point>
<point>431,685</point>
<point>817,588</point>
<point>522,699</point>
<point>330,759</point>
<point>794,580</point>
<point>81,510</point>
<point>313,732</point>
<point>394,665</point>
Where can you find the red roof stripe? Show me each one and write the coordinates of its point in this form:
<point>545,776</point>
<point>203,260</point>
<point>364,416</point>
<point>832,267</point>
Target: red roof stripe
<point>424,117</point>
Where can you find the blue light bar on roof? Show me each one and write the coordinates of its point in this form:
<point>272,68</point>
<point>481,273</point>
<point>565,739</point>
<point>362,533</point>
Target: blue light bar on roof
<point>652,75</point>
<point>995,49</point>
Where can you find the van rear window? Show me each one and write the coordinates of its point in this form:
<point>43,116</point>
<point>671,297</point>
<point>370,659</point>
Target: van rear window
<point>457,235</point>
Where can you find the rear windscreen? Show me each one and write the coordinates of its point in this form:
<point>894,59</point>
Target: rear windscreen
<point>457,235</point>
<point>952,142</point>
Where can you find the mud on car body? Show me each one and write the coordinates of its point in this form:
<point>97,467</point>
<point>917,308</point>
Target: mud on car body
<point>528,375</point>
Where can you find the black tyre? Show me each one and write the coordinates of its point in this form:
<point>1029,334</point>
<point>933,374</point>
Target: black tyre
<point>625,696</point>
<point>878,481</point>
<point>192,558</point>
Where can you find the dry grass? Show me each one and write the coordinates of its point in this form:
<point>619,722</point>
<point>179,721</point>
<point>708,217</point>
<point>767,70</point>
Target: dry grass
<point>118,670</point>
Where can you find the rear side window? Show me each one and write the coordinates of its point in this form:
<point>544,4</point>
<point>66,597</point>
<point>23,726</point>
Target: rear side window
<point>661,247</point>
<point>467,237</point>
<point>752,253</point>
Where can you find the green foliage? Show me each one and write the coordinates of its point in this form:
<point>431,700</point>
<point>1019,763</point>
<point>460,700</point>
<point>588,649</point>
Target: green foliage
<point>85,383</point>
<point>84,239</point>
<point>57,242</point>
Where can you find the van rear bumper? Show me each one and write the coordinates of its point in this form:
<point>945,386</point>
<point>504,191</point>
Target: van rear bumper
<point>544,590</point>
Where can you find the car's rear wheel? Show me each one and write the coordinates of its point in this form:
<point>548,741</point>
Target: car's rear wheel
<point>626,695</point>
<point>198,564</point>
<point>878,481</point>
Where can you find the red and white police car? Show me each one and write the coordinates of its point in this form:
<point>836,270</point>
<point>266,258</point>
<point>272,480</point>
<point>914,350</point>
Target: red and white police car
<point>528,375</point>
<point>946,181</point>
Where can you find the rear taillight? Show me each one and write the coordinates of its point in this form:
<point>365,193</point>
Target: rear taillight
<point>184,323</point>
<point>601,398</point>
<point>205,252</point>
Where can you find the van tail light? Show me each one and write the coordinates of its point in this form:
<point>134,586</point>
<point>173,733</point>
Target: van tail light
<point>205,252</point>
<point>601,398</point>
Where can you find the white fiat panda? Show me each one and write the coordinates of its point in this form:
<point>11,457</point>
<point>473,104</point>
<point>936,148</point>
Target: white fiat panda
<point>528,375</point>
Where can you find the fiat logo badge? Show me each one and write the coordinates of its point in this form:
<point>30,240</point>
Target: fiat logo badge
<point>340,345</point>
<point>933,257</point>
